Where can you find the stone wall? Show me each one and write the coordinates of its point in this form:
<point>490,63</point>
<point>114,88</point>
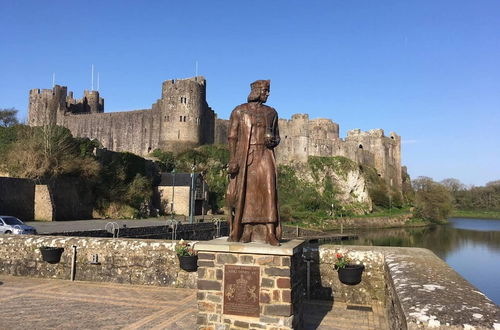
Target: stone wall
<point>417,289</point>
<point>63,199</point>
<point>371,222</point>
<point>43,203</point>
<point>149,262</point>
<point>181,199</point>
<point>16,198</point>
<point>326,285</point>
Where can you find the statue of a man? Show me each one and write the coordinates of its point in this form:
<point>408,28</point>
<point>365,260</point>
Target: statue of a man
<point>252,195</point>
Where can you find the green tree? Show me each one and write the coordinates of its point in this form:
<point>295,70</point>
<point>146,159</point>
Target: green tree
<point>8,117</point>
<point>433,201</point>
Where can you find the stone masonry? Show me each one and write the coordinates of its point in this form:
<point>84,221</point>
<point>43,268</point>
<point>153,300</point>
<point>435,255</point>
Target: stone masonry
<point>182,119</point>
<point>281,284</point>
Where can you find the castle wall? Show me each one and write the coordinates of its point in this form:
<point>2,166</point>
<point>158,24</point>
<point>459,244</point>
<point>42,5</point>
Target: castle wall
<point>16,198</point>
<point>221,131</point>
<point>132,131</point>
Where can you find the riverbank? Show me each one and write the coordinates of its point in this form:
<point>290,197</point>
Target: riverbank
<point>396,221</point>
<point>475,214</point>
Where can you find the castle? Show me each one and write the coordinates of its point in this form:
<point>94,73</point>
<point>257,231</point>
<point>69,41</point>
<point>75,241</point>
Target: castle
<point>182,119</point>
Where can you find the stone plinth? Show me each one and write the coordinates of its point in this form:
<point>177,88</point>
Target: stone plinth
<point>250,285</point>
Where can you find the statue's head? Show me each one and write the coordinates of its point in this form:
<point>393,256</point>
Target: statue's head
<point>260,91</point>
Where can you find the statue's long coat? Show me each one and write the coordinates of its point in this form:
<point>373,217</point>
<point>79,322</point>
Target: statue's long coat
<point>253,189</point>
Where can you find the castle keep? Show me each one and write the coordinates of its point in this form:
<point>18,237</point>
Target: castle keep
<point>182,119</point>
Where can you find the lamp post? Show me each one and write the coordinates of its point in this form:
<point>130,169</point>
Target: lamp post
<point>191,208</point>
<point>173,193</point>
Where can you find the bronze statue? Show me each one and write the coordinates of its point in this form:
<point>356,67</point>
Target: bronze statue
<point>252,195</point>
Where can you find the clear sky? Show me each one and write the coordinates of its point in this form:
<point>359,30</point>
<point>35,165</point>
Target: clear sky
<point>427,69</point>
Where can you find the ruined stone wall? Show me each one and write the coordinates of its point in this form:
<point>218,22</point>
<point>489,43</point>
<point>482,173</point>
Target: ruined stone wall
<point>16,198</point>
<point>301,138</point>
<point>374,149</point>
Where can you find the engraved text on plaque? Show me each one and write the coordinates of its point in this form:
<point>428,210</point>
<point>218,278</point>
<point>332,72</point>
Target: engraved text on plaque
<point>241,290</point>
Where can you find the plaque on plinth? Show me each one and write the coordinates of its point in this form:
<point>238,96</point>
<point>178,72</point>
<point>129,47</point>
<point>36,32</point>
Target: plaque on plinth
<point>241,290</point>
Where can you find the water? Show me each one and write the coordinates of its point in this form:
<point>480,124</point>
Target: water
<point>470,246</point>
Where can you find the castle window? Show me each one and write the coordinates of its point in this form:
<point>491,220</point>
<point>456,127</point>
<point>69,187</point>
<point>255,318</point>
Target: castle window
<point>392,137</point>
<point>360,146</point>
<point>197,120</point>
<point>180,118</point>
<point>184,118</point>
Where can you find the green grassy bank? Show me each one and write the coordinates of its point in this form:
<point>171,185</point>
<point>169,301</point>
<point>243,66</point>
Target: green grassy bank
<point>475,214</point>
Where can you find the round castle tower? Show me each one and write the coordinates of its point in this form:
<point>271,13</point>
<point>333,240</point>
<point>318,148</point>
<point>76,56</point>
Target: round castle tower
<point>183,113</point>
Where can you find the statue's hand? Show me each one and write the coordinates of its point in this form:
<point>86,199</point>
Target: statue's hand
<point>270,141</point>
<point>233,168</point>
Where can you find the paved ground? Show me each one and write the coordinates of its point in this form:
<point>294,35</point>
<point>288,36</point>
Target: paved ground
<point>29,303</point>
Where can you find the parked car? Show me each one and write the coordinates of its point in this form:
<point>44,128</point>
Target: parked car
<point>12,225</point>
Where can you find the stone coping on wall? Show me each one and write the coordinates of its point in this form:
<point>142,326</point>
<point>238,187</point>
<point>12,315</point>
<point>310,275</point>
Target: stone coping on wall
<point>287,248</point>
<point>428,292</point>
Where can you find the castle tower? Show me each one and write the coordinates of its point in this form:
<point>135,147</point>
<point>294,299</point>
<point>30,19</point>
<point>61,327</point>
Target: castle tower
<point>95,104</point>
<point>186,119</point>
<point>46,105</point>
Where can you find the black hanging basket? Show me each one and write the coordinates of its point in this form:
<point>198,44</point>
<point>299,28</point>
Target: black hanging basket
<point>351,274</point>
<point>188,263</point>
<point>51,254</point>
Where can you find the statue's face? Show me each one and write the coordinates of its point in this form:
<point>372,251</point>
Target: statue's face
<point>264,94</point>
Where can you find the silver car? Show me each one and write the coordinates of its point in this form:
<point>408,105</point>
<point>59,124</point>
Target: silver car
<point>12,225</point>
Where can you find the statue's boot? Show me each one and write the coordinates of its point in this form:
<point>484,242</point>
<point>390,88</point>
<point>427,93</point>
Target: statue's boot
<point>247,234</point>
<point>271,235</point>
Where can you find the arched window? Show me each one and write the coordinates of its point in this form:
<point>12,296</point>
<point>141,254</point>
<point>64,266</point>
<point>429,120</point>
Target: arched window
<point>184,118</point>
<point>180,118</point>
<point>360,146</point>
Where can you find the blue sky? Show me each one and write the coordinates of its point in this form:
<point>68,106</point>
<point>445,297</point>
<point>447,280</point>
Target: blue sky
<point>428,70</point>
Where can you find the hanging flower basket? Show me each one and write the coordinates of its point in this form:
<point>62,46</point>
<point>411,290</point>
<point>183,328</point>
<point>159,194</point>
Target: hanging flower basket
<point>51,254</point>
<point>188,259</point>
<point>351,274</point>
<point>188,263</point>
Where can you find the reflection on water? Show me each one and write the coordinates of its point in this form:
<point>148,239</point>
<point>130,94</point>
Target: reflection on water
<point>470,246</point>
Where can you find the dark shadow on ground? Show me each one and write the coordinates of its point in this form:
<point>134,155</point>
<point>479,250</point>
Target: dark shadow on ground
<point>318,299</point>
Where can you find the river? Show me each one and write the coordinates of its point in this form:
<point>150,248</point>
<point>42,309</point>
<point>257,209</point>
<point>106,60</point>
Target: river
<point>470,246</point>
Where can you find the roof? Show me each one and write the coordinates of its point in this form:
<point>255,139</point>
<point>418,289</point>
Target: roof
<point>180,180</point>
